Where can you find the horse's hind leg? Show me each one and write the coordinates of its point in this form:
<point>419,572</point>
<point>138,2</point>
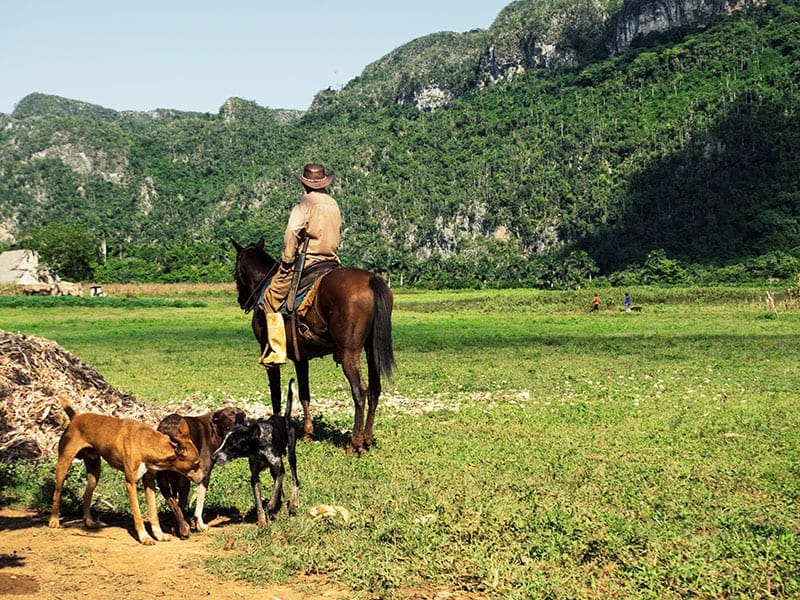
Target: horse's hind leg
<point>352,370</point>
<point>373,393</point>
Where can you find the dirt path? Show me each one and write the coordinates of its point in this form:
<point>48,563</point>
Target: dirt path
<point>108,564</point>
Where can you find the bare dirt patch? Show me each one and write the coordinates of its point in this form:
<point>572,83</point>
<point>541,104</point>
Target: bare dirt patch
<point>108,564</point>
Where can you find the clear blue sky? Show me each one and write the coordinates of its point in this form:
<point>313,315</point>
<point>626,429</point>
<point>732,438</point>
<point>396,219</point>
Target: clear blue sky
<point>195,54</point>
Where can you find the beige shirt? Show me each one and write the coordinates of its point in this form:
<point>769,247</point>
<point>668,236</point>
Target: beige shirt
<point>316,215</point>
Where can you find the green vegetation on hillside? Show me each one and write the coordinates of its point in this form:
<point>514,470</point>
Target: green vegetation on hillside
<point>686,149</point>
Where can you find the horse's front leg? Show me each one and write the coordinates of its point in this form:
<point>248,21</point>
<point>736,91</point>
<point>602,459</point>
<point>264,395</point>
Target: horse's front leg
<point>259,324</point>
<point>301,370</point>
<point>274,377</point>
<point>351,365</point>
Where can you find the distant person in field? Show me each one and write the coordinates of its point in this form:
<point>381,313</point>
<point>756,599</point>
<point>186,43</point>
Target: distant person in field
<point>596,302</point>
<point>314,219</point>
<point>627,302</point>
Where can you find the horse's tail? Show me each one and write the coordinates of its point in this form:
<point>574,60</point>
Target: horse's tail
<point>382,327</point>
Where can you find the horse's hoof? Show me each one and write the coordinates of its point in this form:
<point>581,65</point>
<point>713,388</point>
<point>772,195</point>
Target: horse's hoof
<point>353,452</point>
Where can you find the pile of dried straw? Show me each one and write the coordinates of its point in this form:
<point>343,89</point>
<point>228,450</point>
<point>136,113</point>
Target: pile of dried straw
<point>34,373</point>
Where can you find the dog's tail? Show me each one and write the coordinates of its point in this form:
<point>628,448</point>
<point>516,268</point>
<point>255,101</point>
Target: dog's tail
<point>291,443</point>
<point>67,406</point>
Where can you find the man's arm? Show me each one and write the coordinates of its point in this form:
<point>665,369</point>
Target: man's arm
<point>295,232</point>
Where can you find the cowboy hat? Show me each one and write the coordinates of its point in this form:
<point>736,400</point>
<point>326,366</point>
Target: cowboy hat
<point>314,176</point>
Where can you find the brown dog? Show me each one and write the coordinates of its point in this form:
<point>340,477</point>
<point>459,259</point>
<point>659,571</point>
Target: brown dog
<point>207,432</point>
<point>132,447</point>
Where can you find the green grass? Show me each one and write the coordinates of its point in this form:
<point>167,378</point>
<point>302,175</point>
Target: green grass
<point>525,448</point>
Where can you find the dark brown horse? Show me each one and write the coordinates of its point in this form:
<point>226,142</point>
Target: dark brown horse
<point>351,311</point>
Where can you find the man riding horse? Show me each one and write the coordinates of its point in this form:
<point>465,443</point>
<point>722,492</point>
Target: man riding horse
<point>312,236</point>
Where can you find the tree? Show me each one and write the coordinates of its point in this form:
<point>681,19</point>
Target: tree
<point>659,268</point>
<point>72,251</point>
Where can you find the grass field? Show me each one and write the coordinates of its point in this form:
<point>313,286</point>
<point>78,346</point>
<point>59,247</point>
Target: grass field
<point>526,447</point>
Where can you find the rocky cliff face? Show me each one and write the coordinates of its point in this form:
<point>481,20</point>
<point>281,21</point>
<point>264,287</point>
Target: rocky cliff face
<point>638,18</point>
<point>432,71</point>
<point>544,35</point>
<point>428,72</point>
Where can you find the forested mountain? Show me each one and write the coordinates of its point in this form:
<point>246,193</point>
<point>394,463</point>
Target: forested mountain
<point>557,144</point>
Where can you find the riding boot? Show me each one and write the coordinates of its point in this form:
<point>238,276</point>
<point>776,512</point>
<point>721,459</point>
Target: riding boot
<point>276,334</point>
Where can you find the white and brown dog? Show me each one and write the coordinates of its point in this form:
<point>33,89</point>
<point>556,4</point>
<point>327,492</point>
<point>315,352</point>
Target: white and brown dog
<point>207,432</point>
<point>134,448</point>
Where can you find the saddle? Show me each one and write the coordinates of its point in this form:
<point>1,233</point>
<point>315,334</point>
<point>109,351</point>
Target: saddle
<point>310,278</point>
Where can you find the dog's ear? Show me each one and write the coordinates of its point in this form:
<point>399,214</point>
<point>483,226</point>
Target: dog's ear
<point>183,428</point>
<point>180,449</point>
<point>239,418</point>
<point>222,417</point>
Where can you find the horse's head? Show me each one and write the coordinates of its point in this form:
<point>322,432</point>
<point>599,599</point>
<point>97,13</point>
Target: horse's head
<point>253,267</point>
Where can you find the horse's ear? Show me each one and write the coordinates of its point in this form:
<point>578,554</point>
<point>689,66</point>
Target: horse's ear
<point>260,243</point>
<point>236,245</point>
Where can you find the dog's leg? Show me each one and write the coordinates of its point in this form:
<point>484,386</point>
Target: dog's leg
<point>138,523</point>
<point>292,455</point>
<point>92,463</point>
<point>175,489</point>
<point>62,466</point>
<point>255,483</point>
<point>180,505</point>
<point>149,481</point>
<point>70,444</point>
<point>180,521</point>
<point>200,495</point>
<point>277,471</point>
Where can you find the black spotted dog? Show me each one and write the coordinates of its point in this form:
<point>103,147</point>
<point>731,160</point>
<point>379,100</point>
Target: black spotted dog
<point>265,442</point>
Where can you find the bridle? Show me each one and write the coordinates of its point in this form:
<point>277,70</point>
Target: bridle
<point>252,299</point>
